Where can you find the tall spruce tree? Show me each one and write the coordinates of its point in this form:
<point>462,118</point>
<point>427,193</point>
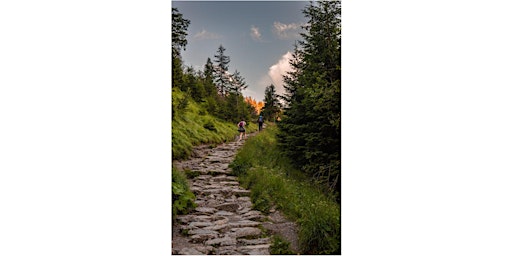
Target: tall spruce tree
<point>222,78</point>
<point>310,131</point>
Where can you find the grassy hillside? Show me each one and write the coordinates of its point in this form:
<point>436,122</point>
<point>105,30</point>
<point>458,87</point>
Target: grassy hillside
<point>273,182</point>
<point>192,126</point>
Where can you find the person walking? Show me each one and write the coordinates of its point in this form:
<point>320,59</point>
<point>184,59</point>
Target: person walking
<point>260,123</point>
<point>241,129</point>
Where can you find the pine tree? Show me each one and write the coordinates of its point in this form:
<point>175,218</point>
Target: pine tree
<point>221,71</point>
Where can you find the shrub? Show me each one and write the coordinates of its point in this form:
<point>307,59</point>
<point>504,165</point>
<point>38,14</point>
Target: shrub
<point>182,198</point>
<point>280,246</point>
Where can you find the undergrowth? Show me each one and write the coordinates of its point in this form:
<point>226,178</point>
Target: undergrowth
<point>264,170</point>
<point>182,197</point>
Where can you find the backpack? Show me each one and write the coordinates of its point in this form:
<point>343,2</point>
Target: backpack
<point>240,124</point>
<point>260,119</point>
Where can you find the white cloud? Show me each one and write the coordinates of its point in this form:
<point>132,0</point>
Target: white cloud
<point>255,33</point>
<point>286,31</point>
<point>276,72</point>
<point>205,35</point>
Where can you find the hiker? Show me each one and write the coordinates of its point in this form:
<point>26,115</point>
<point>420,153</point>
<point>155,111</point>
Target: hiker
<point>260,123</point>
<point>241,129</point>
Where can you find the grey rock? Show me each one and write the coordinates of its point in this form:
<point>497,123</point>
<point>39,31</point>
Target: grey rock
<point>244,223</point>
<point>205,209</point>
<point>190,251</point>
<point>199,238</point>
<point>199,224</point>
<point>231,207</point>
<point>254,241</point>
<point>241,192</point>
<point>221,241</point>
<point>217,227</point>
<point>223,213</point>
<point>201,231</point>
<point>247,231</point>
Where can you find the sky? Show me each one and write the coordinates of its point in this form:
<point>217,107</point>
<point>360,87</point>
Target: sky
<point>259,38</point>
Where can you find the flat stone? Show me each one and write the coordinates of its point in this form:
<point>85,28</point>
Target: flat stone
<point>244,198</point>
<point>204,177</point>
<point>224,220</point>
<point>247,231</point>
<point>226,250</point>
<point>199,224</point>
<point>241,192</point>
<point>190,251</point>
<point>199,238</point>
<point>231,207</point>
<point>200,231</point>
<point>261,249</point>
<point>217,227</point>
<point>224,178</point>
<point>254,241</point>
<point>244,223</point>
<point>223,213</point>
<point>222,241</point>
<point>205,209</point>
<point>185,218</point>
<point>226,183</point>
<point>205,249</point>
<point>245,210</point>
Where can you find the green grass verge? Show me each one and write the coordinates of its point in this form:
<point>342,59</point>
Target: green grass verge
<point>182,198</point>
<point>193,126</point>
<point>273,182</point>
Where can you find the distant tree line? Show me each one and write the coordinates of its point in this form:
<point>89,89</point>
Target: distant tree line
<point>310,130</point>
<point>218,91</point>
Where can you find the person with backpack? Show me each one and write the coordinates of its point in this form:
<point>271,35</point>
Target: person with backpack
<point>260,123</point>
<point>241,129</point>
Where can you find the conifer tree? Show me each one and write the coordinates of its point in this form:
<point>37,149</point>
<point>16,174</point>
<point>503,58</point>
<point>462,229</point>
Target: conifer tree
<point>310,131</point>
<point>271,106</point>
<point>221,71</point>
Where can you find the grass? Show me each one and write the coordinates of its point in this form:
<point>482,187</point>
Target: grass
<point>182,198</point>
<point>274,183</point>
<point>193,126</point>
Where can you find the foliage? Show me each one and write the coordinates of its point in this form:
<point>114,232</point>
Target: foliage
<point>182,198</point>
<point>221,71</point>
<point>179,32</point>
<point>310,131</point>
<point>280,246</point>
<point>272,106</point>
<point>274,182</point>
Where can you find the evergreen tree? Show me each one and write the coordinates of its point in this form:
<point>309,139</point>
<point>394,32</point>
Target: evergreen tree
<point>272,106</point>
<point>179,32</point>
<point>179,41</point>
<point>310,131</point>
<point>221,71</point>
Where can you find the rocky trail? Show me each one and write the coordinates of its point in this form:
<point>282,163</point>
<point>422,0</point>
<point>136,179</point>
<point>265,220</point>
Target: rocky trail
<point>224,221</point>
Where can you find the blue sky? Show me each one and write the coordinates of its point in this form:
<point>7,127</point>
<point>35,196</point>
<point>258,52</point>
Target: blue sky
<point>258,37</point>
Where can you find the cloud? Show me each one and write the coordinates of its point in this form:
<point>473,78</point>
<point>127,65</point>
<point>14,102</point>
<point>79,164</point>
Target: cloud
<point>276,72</point>
<point>255,33</point>
<point>286,31</point>
<point>205,35</point>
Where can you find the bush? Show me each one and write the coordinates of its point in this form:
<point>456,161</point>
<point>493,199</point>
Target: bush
<point>182,198</point>
<point>280,246</point>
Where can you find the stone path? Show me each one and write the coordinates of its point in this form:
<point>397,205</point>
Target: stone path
<point>224,221</point>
